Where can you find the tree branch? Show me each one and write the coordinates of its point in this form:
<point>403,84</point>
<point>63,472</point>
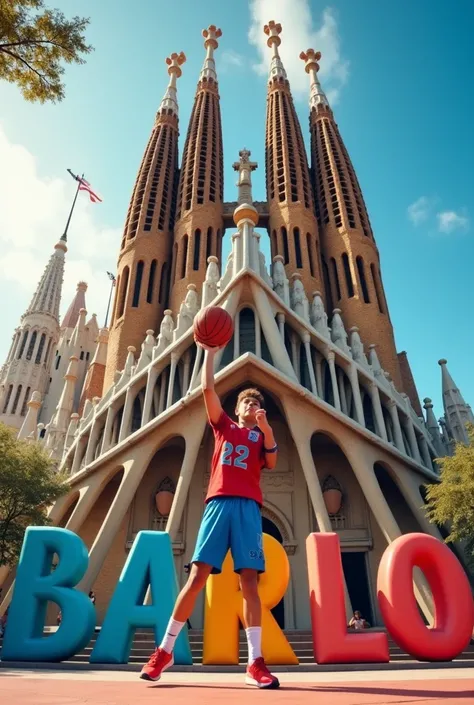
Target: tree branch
<point>30,42</point>
<point>16,56</point>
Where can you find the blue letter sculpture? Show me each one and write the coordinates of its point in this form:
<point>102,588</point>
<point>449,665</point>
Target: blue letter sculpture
<point>35,585</point>
<point>150,563</point>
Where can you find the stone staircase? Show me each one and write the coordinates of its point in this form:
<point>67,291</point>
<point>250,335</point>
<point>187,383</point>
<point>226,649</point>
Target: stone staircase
<point>301,642</point>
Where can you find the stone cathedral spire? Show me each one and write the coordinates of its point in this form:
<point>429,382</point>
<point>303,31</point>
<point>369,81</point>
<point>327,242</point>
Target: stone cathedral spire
<point>456,412</point>
<point>292,224</point>
<point>142,273</point>
<point>200,209</point>
<point>26,369</point>
<point>350,258</point>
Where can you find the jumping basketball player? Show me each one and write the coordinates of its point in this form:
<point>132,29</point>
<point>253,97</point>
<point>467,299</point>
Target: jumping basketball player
<point>232,520</point>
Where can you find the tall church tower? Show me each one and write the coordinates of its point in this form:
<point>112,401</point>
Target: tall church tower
<point>27,366</point>
<point>142,278</point>
<point>292,223</point>
<point>200,209</point>
<point>351,264</point>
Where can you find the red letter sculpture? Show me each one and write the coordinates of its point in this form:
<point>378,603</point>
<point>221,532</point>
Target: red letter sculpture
<point>331,642</point>
<point>454,611</point>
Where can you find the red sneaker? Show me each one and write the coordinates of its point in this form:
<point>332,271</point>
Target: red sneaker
<point>259,675</point>
<point>159,661</point>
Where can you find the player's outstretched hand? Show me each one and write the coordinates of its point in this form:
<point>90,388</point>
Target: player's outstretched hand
<point>261,419</point>
<point>207,348</point>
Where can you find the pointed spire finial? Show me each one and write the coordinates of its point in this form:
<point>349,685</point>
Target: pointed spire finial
<point>245,167</point>
<point>273,31</point>
<point>211,35</point>
<point>169,104</point>
<point>317,95</point>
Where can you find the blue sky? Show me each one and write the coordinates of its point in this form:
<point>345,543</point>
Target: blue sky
<point>401,89</point>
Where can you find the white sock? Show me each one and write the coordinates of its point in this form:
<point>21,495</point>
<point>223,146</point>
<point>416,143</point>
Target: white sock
<point>254,641</point>
<point>172,631</point>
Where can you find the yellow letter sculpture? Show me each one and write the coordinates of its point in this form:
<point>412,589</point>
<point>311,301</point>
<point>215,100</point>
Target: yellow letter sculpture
<point>224,610</point>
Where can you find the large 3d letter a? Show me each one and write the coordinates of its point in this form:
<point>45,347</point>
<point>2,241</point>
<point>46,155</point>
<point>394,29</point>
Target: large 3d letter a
<point>35,585</point>
<point>150,563</point>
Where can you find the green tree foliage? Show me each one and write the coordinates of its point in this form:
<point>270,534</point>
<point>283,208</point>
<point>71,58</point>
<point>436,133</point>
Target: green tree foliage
<point>451,501</point>
<point>29,484</point>
<point>34,43</point>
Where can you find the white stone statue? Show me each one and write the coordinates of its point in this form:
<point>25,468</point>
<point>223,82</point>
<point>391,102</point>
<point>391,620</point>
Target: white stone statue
<point>299,300</point>
<point>338,332</point>
<point>280,281</point>
<point>165,337</point>
<point>357,347</point>
<point>209,289</point>
<point>319,318</point>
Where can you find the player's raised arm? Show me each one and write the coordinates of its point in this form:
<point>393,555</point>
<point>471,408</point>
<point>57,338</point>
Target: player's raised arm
<point>212,401</point>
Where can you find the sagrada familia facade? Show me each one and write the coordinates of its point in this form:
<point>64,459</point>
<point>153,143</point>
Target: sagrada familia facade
<point>121,407</point>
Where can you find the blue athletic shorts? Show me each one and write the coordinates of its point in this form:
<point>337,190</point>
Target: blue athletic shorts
<point>233,523</point>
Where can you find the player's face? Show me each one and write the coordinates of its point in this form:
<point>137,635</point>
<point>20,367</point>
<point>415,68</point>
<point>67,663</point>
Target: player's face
<point>247,408</point>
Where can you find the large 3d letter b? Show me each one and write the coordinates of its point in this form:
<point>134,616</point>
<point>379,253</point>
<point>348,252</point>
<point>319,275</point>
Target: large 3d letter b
<point>35,585</point>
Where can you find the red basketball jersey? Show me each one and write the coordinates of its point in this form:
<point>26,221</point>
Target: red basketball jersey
<point>237,461</point>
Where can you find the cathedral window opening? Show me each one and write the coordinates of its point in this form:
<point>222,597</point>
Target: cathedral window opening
<point>327,285</point>
<point>368,413</point>
<point>138,283</point>
<point>291,150</point>
<point>87,356</point>
<point>136,414</point>
<point>45,361</point>
<point>274,244</point>
<point>247,335</point>
<point>151,281</point>
<point>286,254</point>
<point>219,246</point>
<point>279,150</point>
<point>378,289</point>
<point>58,360</point>
<point>312,268</point>
<point>31,345</point>
<point>40,349</point>
<point>209,247</point>
<point>347,272</point>
<point>17,399</point>
<point>174,262</point>
<point>81,356</point>
<point>161,295</point>
<point>363,283</point>
<point>24,406</point>
<point>336,278</point>
<point>7,400</point>
<point>197,249</point>
<point>123,293</point>
<point>299,260</point>
<point>184,256</point>
<point>23,343</point>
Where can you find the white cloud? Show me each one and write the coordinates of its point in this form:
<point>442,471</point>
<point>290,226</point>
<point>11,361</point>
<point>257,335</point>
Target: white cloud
<point>230,59</point>
<point>33,213</point>
<point>419,211</point>
<point>300,32</point>
<point>448,221</point>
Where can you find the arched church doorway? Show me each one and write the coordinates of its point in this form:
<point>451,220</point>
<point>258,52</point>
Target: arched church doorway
<point>272,529</point>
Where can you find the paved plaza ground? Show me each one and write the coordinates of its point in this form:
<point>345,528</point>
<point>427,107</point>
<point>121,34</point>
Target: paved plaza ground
<point>418,687</point>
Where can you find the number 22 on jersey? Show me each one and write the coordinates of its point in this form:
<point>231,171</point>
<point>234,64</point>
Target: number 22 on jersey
<point>235,457</point>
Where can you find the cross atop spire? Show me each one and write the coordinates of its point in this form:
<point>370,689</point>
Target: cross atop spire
<point>211,35</point>
<point>244,166</point>
<point>273,31</point>
<point>170,100</point>
<point>317,95</point>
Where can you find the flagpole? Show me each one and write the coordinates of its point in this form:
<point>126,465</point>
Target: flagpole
<point>112,284</point>
<point>64,235</point>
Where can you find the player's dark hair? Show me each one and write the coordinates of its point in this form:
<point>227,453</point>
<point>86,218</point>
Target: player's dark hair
<point>253,394</point>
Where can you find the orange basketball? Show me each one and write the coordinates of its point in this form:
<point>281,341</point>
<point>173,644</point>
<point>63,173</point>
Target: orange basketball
<point>213,327</point>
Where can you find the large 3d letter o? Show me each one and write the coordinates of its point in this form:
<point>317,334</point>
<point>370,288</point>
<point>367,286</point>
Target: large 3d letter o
<point>454,610</point>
